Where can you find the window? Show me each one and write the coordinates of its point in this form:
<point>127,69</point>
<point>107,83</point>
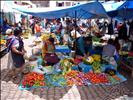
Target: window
<point>68,3</point>
<point>59,4</point>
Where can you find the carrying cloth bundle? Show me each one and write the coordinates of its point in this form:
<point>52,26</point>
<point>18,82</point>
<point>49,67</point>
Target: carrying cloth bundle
<point>9,43</point>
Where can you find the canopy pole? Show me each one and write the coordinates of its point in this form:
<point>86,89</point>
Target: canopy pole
<point>75,33</point>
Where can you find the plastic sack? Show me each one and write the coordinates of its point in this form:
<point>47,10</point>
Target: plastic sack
<point>43,70</point>
<point>55,80</point>
<point>85,68</point>
<point>104,67</point>
<point>75,68</point>
<point>57,68</point>
<point>39,61</point>
<point>37,70</point>
<point>33,63</point>
<point>36,51</point>
<point>48,69</point>
<point>112,62</point>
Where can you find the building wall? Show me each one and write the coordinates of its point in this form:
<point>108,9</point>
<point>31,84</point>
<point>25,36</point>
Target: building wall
<point>57,3</point>
<point>41,3</point>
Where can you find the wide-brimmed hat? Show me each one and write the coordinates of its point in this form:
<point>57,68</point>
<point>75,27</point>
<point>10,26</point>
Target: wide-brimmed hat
<point>9,31</point>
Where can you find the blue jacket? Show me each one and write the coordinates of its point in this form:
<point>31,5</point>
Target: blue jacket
<point>82,46</point>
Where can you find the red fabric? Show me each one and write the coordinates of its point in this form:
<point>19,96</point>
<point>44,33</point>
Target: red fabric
<point>77,60</point>
<point>130,54</point>
<point>37,28</point>
<point>51,58</point>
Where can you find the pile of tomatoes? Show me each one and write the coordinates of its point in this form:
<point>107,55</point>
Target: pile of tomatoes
<point>33,79</point>
<point>75,77</point>
<point>96,78</point>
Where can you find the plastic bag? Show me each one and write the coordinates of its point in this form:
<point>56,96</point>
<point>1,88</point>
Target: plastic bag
<point>43,70</point>
<point>48,69</point>
<point>85,68</point>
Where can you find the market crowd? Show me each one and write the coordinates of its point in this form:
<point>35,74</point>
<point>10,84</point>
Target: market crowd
<point>76,34</point>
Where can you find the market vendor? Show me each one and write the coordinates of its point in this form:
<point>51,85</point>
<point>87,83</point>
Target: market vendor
<point>48,52</point>
<point>83,46</point>
<point>48,46</point>
<point>109,51</point>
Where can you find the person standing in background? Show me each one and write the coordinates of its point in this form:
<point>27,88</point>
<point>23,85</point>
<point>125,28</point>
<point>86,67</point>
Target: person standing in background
<point>32,25</point>
<point>37,29</point>
<point>110,28</point>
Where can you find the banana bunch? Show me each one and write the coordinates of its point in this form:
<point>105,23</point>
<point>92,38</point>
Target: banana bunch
<point>66,66</point>
<point>46,36</point>
<point>96,67</point>
<point>89,60</point>
<point>123,52</point>
<point>2,42</point>
<point>96,57</point>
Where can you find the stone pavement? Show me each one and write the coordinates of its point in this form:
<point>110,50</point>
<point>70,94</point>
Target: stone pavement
<point>10,90</point>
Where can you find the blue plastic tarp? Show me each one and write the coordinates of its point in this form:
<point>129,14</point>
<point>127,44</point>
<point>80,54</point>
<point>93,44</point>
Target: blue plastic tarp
<point>120,10</point>
<point>111,7</point>
<point>87,10</point>
<point>125,11</point>
<point>62,49</point>
<point>127,4</point>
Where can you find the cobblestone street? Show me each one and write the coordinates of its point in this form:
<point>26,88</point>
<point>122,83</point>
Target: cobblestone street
<point>10,90</point>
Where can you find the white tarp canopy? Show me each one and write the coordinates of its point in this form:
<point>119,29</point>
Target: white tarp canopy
<point>112,5</point>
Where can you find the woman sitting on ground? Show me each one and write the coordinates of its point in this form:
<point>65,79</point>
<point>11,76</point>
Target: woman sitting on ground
<point>48,46</point>
<point>48,52</point>
<point>109,51</point>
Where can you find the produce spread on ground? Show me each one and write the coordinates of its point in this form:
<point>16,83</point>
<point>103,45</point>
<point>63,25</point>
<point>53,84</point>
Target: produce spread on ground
<point>69,71</point>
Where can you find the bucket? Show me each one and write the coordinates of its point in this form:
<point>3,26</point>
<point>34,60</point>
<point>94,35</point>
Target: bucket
<point>33,63</point>
<point>72,54</point>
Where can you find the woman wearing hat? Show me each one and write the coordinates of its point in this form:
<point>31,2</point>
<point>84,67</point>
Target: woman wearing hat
<point>17,53</point>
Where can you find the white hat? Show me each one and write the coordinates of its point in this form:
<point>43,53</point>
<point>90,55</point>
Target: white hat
<point>9,31</point>
<point>77,34</point>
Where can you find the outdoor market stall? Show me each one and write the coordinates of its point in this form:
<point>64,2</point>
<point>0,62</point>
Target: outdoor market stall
<point>68,70</point>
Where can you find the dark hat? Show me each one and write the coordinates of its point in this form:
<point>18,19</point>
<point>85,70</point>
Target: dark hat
<point>51,40</point>
<point>17,31</point>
